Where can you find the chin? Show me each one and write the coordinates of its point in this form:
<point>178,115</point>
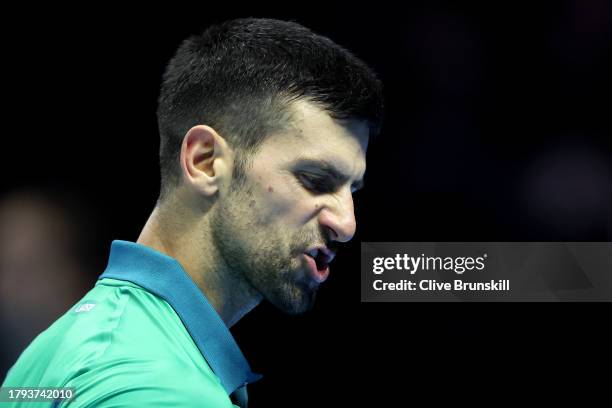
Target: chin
<point>296,301</point>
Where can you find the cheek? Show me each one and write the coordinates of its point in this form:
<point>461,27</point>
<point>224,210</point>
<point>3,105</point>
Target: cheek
<point>287,203</point>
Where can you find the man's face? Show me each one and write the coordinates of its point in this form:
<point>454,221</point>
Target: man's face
<point>279,229</point>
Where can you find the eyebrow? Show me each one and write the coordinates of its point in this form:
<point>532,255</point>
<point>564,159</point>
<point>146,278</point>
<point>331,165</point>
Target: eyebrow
<point>331,170</point>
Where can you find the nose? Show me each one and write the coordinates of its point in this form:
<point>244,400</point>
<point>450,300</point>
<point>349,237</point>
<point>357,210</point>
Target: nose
<point>339,216</point>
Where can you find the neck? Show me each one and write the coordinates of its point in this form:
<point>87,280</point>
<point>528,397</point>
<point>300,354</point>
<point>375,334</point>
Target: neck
<point>188,242</point>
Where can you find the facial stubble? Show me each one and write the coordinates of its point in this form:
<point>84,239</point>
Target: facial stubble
<point>260,255</point>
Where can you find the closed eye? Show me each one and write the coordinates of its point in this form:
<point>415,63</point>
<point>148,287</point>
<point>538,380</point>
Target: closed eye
<point>316,184</point>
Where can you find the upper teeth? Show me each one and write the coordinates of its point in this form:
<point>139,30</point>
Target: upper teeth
<point>313,252</point>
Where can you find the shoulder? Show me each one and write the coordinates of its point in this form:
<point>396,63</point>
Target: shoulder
<point>149,359</point>
<point>151,383</point>
<point>118,338</point>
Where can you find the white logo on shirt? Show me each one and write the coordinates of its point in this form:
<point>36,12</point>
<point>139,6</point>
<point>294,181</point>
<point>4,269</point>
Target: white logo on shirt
<point>85,307</point>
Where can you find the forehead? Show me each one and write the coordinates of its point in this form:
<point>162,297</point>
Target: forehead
<point>314,134</point>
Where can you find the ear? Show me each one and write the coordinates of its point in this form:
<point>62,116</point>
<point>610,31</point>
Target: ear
<point>206,160</point>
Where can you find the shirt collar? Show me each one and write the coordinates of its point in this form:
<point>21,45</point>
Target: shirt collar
<point>165,277</point>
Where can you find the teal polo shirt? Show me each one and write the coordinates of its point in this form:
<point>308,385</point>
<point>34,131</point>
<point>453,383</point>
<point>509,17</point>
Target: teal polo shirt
<point>145,335</point>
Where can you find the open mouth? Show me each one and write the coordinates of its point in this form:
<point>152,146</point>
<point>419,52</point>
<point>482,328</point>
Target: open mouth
<point>319,257</point>
<point>318,260</point>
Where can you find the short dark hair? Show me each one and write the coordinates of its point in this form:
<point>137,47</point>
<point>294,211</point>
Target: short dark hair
<point>240,76</point>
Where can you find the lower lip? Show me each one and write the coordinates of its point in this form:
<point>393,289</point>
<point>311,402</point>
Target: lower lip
<point>318,275</point>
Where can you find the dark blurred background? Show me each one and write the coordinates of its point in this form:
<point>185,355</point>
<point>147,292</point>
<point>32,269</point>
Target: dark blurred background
<point>498,128</point>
